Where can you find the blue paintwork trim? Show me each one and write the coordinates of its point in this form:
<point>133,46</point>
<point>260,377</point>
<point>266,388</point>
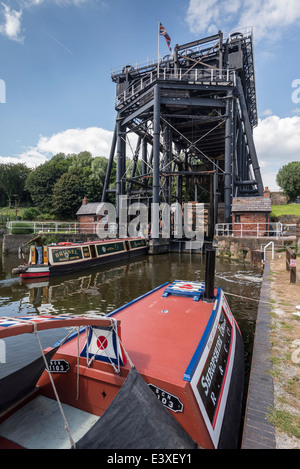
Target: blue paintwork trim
<point>199,350</point>
<point>136,300</point>
<point>74,334</point>
<point>115,312</point>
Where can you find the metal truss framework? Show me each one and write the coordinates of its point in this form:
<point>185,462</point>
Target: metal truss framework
<point>192,115</point>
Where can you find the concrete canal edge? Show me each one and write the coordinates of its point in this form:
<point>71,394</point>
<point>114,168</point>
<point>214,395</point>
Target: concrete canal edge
<point>258,432</point>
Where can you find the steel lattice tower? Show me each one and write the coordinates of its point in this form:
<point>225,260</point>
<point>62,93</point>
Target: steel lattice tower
<point>192,115</point>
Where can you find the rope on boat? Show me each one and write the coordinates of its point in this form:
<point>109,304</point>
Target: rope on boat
<point>78,353</point>
<point>35,324</point>
<point>245,298</point>
<point>113,329</point>
<point>116,368</point>
<point>67,428</point>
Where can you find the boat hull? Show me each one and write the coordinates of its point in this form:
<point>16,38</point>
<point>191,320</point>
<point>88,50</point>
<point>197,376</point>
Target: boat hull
<point>83,260</point>
<point>173,378</point>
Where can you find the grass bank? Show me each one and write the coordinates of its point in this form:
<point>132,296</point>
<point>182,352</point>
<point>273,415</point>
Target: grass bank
<point>285,355</point>
<point>289,209</point>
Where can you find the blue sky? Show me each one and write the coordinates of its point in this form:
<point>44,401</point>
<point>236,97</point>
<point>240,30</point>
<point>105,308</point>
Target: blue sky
<point>56,92</point>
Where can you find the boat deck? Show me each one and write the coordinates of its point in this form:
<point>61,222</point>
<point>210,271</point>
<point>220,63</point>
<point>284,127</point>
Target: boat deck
<point>166,333</point>
<point>43,414</point>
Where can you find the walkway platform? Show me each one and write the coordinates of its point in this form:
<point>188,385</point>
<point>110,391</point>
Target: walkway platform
<point>258,432</point>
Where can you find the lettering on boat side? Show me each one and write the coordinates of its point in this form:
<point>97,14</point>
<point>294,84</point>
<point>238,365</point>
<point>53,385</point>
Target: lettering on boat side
<point>168,400</point>
<point>154,458</point>
<point>59,366</point>
<point>69,254</point>
<point>211,380</point>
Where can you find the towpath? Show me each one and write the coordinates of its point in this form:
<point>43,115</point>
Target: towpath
<point>285,353</point>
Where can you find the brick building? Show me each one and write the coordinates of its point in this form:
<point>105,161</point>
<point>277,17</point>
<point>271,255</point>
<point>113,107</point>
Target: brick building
<point>87,216</point>
<point>251,215</point>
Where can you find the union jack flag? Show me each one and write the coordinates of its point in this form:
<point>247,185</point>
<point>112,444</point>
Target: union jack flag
<point>163,32</point>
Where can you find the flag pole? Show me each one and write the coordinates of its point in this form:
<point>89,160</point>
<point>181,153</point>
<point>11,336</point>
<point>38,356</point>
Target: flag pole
<point>158,50</point>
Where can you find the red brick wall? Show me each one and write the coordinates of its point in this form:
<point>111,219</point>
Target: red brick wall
<point>248,224</point>
<point>86,224</point>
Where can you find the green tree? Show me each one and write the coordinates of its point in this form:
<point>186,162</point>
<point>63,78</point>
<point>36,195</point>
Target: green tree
<point>41,181</point>
<point>13,179</point>
<point>288,178</point>
<point>67,195</point>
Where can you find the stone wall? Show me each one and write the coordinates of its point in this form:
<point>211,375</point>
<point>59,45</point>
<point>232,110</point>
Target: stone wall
<point>278,198</point>
<point>239,249</point>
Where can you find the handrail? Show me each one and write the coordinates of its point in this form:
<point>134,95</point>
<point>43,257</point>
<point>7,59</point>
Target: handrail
<point>265,248</point>
<point>12,326</point>
<point>256,230</point>
<point>181,74</point>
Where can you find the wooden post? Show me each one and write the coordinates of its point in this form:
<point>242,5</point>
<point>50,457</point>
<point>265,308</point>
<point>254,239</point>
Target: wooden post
<point>291,264</point>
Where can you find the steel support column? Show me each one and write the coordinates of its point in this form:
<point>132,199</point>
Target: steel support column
<point>248,130</point>
<point>228,159</point>
<point>109,165</point>
<point>156,152</point>
<point>120,156</point>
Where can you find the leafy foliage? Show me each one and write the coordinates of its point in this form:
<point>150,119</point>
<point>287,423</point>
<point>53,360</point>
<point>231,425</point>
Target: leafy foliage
<point>67,195</point>
<point>41,181</point>
<point>288,178</point>
<point>12,180</point>
<point>58,185</point>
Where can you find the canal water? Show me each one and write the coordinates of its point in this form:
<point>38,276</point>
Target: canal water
<point>104,289</point>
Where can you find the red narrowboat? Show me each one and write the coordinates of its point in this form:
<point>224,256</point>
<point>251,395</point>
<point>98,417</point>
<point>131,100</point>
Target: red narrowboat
<point>163,371</point>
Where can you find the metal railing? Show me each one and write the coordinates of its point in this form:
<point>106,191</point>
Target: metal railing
<point>266,247</point>
<point>31,227</point>
<point>17,227</point>
<point>256,230</point>
<point>206,75</point>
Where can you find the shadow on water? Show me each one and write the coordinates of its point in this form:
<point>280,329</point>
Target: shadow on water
<point>103,290</point>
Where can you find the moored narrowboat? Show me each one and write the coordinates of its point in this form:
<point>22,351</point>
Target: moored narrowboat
<point>66,258</point>
<point>164,371</point>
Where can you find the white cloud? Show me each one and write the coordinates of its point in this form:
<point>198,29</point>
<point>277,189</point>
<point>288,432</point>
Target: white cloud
<point>269,18</point>
<point>30,3</point>
<point>11,27</point>
<point>93,139</point>
<point>277,142</point>
<point>268,112</point>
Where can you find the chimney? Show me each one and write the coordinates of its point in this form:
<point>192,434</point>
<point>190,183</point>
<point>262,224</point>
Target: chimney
<point>267,193</point>
<point>84,201</point>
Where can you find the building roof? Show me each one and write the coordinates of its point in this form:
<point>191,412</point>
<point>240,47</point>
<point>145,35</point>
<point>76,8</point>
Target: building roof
<point>251,204</point>
<point>88,209</point>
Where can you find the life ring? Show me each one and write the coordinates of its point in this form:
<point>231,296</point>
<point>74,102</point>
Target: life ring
<point>62,244</point>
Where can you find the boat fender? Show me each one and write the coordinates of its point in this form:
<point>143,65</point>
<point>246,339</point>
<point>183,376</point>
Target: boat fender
<point>20,269</point>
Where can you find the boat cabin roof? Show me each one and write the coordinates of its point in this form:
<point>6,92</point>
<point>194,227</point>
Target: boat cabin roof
<point>161,333</point>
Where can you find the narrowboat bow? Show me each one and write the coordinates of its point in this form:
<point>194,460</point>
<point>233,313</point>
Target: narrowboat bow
<point>164,371</point>
<point>66,258</point>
